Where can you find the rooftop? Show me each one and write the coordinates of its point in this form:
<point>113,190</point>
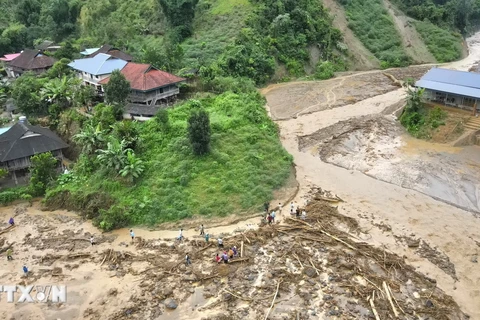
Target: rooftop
<point>32,59</point>
<point>114,52</point>
<point>451,81</point>
<point>89,51</point>
<point>144,77</point>
<point>98,65</point>
<point>24,140</point>
<point>9,57</point>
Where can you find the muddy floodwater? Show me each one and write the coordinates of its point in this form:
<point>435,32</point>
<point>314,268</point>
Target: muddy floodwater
<point>395,185</point>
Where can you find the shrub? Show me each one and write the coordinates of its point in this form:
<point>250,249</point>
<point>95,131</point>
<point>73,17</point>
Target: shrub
<point>199,132</point>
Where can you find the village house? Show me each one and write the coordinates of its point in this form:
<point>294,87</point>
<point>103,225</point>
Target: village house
<point>150,88</point>
<point>22,141</point>
<point>29,60</point>
<point>452,88</point>
<point>149,85</point>
<point>108,49</point>
<point>92,70</point>
<point>47,45</point>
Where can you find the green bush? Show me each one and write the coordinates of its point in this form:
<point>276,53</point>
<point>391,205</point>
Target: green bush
<point>9,195</point>
<point>443,44</point>
<point>372,24</point>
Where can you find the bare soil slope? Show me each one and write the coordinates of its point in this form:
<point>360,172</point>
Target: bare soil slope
<point>412,42</point>
<point>362,58</point>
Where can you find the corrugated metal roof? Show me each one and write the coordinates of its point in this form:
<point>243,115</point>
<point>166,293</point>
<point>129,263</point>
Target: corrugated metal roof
<point>449,88</point>
<point>451,81</point>
<point>98,65</point>
<point>459,78</point>
<point>89,51</point>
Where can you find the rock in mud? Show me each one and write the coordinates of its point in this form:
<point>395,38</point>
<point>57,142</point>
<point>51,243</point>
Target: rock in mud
<point>112,292</point>
<point>171,304</point>
<point>474,259</point>
<point>310,272</point>
<point>412,243</point>
<point>429,304</point>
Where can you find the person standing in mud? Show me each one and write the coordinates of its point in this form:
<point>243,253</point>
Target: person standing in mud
<point>273,216</point>
<point>220,242</point>
<point>297,213</point>
<point>11,222</point>
<point>218,259</point>
<point>269,218</point>
<point>9,254</point>
<point>279,207</point>
<point>180,235</point>
<point>202,230</point>
<point>92,240</point>
<point>132,235</point>
<point>230,253</point>
<point>225,257</point>
<point>187,260</point>
<point>207,237</point>
<point>25,270</point>
<point>266,205</point>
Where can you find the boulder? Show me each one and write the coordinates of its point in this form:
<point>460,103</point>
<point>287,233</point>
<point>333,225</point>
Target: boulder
<point>171,304</point>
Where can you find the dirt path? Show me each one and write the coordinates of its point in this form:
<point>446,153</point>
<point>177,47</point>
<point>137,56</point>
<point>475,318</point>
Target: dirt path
<point>411,39</point>
<point>362,58</point>
<point>406,212</point>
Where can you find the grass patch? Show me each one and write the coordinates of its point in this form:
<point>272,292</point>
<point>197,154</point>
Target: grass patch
<point>228,6</point>
<point>372,24</point>
<point>246,163</point>
<point>443,44</point>
<point>216,25</point>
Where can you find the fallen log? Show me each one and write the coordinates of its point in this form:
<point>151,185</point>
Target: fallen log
<point>391,294</point>
<point>311,262</point>
<point>238,260</point>
<point>8,229</point>
<point>241,250</point>
<point>204,248</point>
<point>390,299</point>
<point>327,199</point>
<point>273,301</point>
<point>7,247</point>
<point>243,234</point>
<point>209,277</point>
<point>77,255</point>
<point>374,310</point>
<point>105,258</point>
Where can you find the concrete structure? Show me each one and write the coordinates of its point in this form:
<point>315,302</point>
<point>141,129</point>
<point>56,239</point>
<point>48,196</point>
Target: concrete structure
<point>92,70</point>
<point>452,88</point>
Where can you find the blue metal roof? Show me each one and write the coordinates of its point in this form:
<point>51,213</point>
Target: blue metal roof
<point>89,51</point>
<point>451,81</point>
<point>98,65</point>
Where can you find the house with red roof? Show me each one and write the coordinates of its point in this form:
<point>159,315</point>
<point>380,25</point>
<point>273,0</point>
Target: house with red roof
<point>150,86</point>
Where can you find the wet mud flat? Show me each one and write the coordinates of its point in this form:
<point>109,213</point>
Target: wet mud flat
<point>299,269</point>
<point>293,99</point>
<point>378,146</point>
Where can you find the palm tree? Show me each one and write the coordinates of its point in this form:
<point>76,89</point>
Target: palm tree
<point>90,138</point>
<point>60,91</point>
<point>133,167</point>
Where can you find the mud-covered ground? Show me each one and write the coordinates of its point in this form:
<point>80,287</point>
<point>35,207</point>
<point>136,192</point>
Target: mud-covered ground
<point>289,100</point>
<point>315,268</point>
<point>377,146</point>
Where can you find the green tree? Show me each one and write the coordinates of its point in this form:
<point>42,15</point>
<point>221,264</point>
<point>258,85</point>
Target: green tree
<point>90,138</point>
<point>114,157</point>
<point>43,171</point>
<point>180,14</point>
<point>67,51</point>
<point>60,90</point>
<point>27,12</point>
<point>84,96</point>
<point>25,93</point>
<point>199,131</point>
<point>117,91</point>
<point>60,69</point>
<point>127,130</point>
<point>162,119</point>
<point>104,115</point>
<point>133,167</point>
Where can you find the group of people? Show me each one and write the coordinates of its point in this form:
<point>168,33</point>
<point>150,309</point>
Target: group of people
<point>11,223</point>
<point>226,255</point>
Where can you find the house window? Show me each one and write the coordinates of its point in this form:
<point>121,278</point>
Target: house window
<point>91,76</point>
<point>161,90</point>
<point>96,77</point>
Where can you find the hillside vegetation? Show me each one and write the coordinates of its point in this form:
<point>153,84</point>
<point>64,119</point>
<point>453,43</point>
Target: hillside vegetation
<point>246,163</point>
<point>372,24</point>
